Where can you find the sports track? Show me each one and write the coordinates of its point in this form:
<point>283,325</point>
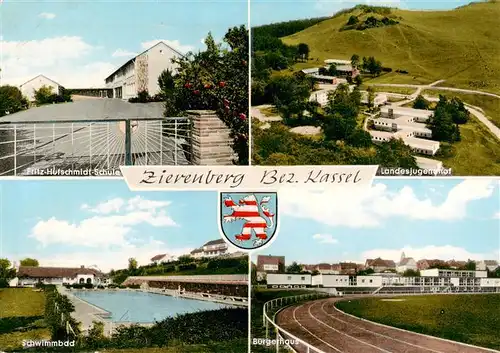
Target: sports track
<point>328,329</point>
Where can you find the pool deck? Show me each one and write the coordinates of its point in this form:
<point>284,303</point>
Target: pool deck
<point>215,298</point>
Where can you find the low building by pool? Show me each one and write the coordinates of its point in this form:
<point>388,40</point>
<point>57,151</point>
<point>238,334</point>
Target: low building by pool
<point>142,307</point>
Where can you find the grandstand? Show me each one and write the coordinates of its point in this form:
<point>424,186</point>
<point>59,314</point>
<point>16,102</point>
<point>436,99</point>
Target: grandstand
<point>439,281</point>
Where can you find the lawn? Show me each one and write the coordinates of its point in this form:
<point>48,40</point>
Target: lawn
<point>478,153</point>
<point>472,319</point>
<point>21,316</point>
<point>489,104</point>
<point>400,90</point>
<point>460,45</point>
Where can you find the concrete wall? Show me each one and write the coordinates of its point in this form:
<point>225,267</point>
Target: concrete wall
<point>28,89</point>
<point>288,278</point>
<point>159,59</point>
<point>210,140</point>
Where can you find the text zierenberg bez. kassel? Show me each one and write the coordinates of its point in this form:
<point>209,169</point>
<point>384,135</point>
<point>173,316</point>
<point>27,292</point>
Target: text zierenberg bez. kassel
<point>268,177</point>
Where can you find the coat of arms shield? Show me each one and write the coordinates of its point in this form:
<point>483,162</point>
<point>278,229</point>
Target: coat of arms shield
<point>248,220</point>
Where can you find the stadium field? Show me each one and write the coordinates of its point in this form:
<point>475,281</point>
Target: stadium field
<point>469,318</point>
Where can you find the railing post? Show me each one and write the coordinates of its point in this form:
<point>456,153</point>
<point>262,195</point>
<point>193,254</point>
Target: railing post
<point>267,329</point>
<point>264,315</point>
<point>146,142</point>
<point>90,145</point>
<point>107,135</point>
<point>175,142</point>
<point>277,340</point>
<point>128,143</point>
<point>15,150</point>
<point>53,138</point>
<point>161,142</point>
<point>34,143</point>
<point>72,145</point>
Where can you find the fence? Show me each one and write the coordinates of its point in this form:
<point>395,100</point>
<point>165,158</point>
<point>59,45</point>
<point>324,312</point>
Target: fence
<point>103,144</point>
<point>283,337</point>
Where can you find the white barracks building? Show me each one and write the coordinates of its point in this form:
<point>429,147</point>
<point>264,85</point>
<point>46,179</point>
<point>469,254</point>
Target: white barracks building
<point>429,281</point>
<point>141,72</point>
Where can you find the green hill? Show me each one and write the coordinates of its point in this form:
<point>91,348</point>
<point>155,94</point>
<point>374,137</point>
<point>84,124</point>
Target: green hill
<point>461,46</point>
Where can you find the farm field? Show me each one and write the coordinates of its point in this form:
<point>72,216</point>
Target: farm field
<point>472,319</point>
<point>459,46</point>
<point>21,317</point>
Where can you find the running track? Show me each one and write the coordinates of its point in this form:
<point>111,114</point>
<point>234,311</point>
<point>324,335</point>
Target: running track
<point>323,326</point>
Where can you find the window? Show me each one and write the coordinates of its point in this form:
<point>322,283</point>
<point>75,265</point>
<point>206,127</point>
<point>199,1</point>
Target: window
<point>371,281</point>
<point>289,278</point>
<point>302,278</point>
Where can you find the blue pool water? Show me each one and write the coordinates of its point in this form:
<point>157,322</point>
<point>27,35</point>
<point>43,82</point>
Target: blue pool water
<point>143,307</point>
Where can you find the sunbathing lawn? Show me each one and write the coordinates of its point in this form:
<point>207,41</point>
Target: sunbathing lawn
<point>21,317</point>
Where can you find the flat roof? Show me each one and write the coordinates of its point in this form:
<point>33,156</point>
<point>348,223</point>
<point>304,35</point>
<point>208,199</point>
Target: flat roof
<point>337,61</point>
<point>407,111</point>
<point>322,77</point>
<point>427,163</point>
<point>308,71</point>
<point>421,143</point>
<point>382,134</point>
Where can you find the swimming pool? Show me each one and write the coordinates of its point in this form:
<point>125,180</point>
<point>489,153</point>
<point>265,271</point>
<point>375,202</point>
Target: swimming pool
<point>143,307</point>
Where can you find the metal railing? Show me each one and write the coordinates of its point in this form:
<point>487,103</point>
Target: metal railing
<point>284,338</point>
<point>31,147</point>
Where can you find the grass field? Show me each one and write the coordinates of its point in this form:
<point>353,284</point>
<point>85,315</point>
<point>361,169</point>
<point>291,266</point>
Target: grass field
<point>21,317</point>
<point>489,104</point>
<point>460,45</point>
<point>400,90</point>
<point>472,319</point>
<point>477,154</point>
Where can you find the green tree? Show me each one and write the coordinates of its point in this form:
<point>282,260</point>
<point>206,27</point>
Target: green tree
<point>442,125</point>
<point>358,81</point>
<point>132,264</point>
<point>6,272</point>
<point>217,79</point>
<point>44,95</point>
<point>421,103</point>
<point>303,51</point>
<point>371,96</point>
<point>29,262</point>
<point>352,20</point>
<point>11,100</point>
<point>294,268</point>
<point>411,273</point>
<point>470,265</point>
<point>355,59</point>
<point>314,272</point>
<point>332,70</point>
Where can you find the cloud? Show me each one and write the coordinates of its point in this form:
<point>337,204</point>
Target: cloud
<point>183,49</point>
<point>63,59</point>
<point>446,252</point>
<point>110,227</point>
<point>107,259</point>
<point>113,205</point>
<point>496,215</point>
<point>325,239</point>
<point>370,207</point>
<point>122,52</point>
<point>47,15</point>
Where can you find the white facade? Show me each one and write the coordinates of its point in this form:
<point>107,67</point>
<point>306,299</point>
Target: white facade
<point>325,280</point>
<point>28,88</point>
<point>79,279</point>
<point>435,272</point>
<point>164,258</point>
<point>427,163</point>
<point>141,73</point>
<point>393,112</point>
<point>289,279</point>
<point>490,265</point>
<point>418,145</point>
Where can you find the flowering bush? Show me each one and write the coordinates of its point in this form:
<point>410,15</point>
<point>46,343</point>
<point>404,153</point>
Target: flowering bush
<point>214,79</point>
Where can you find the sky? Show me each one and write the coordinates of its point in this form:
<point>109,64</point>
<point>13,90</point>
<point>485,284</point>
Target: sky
<point>272,11</point>
<point>443,219</point>
<point>79,43</point>
<point>73,223</point>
